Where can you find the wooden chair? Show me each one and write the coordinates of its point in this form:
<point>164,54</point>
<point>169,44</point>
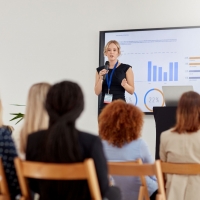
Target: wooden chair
<point>4,192</point>
<point>141,170</point>
<point>75,171</point>
<point>143,188</point>
<point>180,168</point>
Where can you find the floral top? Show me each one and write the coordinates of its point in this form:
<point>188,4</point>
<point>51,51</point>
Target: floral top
<point>8,153</point>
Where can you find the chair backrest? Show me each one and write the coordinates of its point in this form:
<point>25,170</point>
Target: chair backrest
<point>76,171</point>
<point>141,170</point>
<point>180,168</point>
<point>4,192</point>
<point>143,193</point>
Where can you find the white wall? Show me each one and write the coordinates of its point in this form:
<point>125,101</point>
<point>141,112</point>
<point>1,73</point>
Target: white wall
<point>46,40</point>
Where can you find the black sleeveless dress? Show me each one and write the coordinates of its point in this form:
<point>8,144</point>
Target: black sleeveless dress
<point>116,89</point>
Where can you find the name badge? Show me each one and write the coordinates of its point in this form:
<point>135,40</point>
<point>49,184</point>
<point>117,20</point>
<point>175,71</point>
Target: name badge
<point>108,98</point>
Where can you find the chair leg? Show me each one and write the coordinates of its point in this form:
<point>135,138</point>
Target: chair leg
<point>141,193</point>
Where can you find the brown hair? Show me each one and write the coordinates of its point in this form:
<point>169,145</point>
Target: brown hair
<point>188,113</point>
<point>120,123</point>
<point>110,42</point>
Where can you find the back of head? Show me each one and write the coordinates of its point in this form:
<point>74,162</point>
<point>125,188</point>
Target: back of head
<point>36,117</point>
<point>64,104</point>
<point>188,113</point>
<point>120,123</point>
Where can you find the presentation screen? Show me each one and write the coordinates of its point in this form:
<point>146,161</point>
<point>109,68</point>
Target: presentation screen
<point>162,56</point>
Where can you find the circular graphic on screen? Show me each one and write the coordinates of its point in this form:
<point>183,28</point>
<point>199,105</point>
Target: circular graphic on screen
<point>131,98</point>
<point>153,97</point>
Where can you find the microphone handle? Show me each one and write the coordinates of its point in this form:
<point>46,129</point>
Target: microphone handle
<point>106,67</point>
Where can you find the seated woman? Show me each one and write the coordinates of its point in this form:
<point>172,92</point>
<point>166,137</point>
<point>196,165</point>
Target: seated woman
<point>63,143</point>
<point>120,127</point>
<point>181,144</point>
<point>7,154</point>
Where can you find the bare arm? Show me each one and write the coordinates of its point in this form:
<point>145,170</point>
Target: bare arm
<point>99,81</point>
<point>128,83</point>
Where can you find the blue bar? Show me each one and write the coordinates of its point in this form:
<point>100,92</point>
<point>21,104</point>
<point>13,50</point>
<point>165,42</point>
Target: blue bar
<point>154,72</point>
<point>165,76</point>
<point>170,71</point>
<point>176,71</point>
<point>194,70</point>
<point>194,77</point>
<point>149,71</point>
<point>159,73</point>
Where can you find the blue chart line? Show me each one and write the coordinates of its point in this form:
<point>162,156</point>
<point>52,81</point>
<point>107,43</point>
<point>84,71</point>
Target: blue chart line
<point>136,99</point>
<point>156,73</point>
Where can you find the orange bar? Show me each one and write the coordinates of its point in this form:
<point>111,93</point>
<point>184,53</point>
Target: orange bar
<point>194,64</point>
<point>197,57</point>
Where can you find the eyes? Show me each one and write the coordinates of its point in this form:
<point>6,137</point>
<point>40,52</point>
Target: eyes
<point>112,50</point>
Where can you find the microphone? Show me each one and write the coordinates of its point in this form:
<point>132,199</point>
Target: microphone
<point>106,67</point>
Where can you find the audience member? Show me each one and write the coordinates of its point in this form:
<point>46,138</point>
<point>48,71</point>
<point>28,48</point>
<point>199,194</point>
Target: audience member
<point>63,143</point>
<point>181,144</point>
<point>120,127</point>
<point>36,117</point>
<point>7,154</point>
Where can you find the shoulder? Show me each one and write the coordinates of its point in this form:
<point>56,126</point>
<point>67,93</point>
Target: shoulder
<point>167,134</point>
<point>88,138</point>
<point>124,67</point>
<point>4,131</point>
<point>34,146</point>
<point>89,142</point>
<point>100,68</point>
<point>141,143</point>
<point>36,135</point>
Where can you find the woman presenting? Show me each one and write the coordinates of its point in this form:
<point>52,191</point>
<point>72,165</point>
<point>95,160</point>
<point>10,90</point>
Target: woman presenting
<point>118,78</point>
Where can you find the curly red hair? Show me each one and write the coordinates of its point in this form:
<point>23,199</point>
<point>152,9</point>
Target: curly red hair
<point>120,123</point>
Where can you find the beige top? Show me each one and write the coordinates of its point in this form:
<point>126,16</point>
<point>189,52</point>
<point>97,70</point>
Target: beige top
<point>181,148</point>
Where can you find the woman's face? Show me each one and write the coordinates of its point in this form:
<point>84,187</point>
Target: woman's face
<point>112,52</point>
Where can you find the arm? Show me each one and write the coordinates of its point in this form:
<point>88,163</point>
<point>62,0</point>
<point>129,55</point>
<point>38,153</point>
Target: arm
<point>101,165</point>
<point>99,81</point>
<point>31,155</point>
<point>146,156</point>
<point>128,83</point>
<point>162,153</point>
<point>145,153</point>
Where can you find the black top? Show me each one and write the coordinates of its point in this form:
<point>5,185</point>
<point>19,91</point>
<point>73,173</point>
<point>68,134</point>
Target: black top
<point>116,89</point>
<point>91,147</point>
<point>165,118</point>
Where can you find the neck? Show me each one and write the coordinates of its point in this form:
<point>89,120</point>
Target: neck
<point>112,64</point>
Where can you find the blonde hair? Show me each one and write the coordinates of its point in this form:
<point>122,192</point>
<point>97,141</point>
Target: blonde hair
<point>36,117</point>
<point>110,42</point>
<point>10,128</point>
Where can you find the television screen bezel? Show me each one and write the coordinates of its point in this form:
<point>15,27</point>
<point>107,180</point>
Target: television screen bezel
<point>102,44</point>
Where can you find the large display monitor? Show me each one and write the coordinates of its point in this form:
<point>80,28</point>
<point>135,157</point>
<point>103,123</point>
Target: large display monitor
<point>159,56</point>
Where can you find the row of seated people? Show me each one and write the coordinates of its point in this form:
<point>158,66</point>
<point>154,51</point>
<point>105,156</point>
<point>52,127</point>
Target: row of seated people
<point>49,135</point>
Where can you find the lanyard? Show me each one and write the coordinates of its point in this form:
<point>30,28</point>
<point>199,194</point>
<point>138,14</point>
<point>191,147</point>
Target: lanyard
<point>111,75</point>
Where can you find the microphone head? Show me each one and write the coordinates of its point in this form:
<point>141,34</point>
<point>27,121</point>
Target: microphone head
<point>106,65</point>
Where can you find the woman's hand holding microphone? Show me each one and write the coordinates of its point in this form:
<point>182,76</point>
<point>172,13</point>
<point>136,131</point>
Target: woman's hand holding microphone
<point>102,73</point>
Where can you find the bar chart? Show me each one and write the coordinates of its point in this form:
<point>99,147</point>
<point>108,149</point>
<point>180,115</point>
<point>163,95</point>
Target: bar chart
<point>156,73</point>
